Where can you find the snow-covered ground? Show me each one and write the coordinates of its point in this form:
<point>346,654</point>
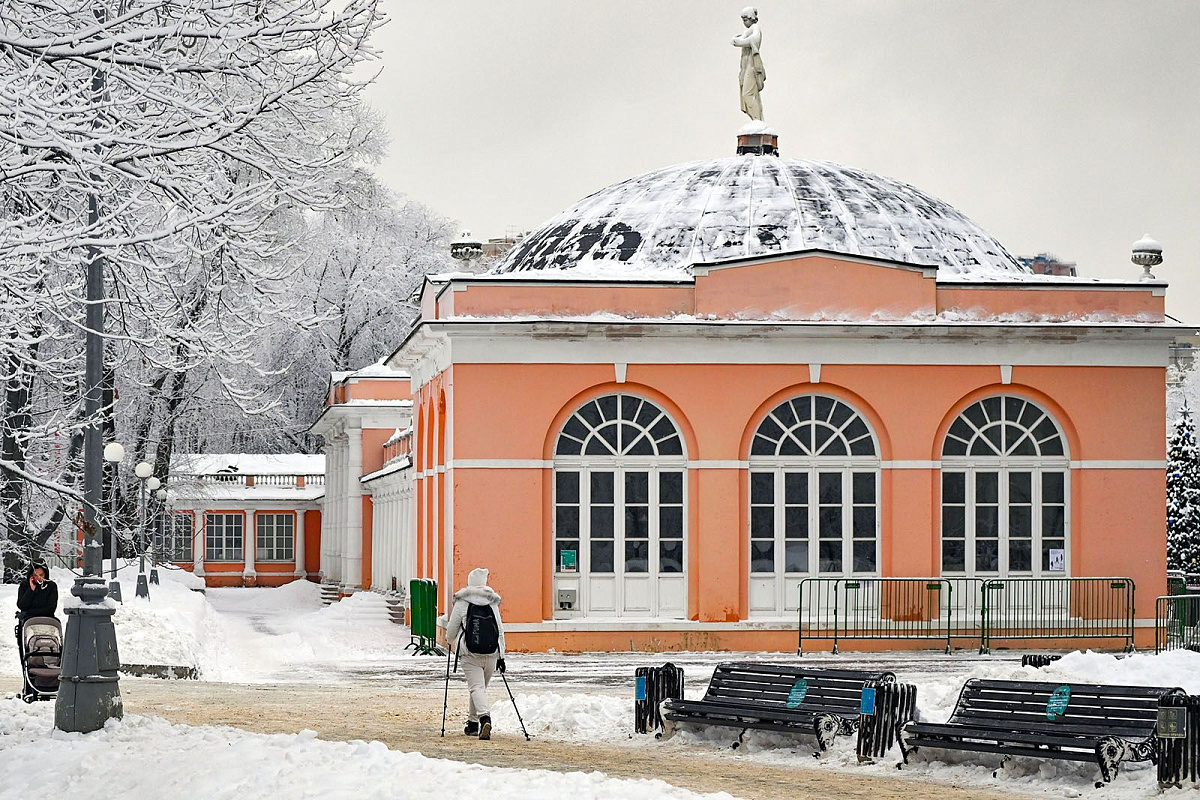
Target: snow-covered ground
<point>285,635</point>
<point>239,635</point>
<point>136,758</point>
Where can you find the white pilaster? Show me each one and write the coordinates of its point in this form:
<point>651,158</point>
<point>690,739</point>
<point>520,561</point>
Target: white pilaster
<point>352,576</point>
<point>249,544</point>
<point>198,544</point>
<point>298,546</point>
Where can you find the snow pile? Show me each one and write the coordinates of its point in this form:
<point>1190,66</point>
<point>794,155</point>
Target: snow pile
<point>131,758</point>
<point>580,717</point>
<point>1173,668</point>
<point>175,627</point>
<point>285,632</point>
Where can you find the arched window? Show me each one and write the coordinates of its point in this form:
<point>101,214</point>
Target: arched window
<point>619,425</point>
<point>1005,491</point>
<point>814,499</point>
<point>620,511</point>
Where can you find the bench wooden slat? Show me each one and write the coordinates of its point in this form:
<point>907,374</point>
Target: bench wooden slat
<point>1020,687</point>
<point>1070,717</point>
<point>1097,730</point>
<point>699,708</point>
<point>1013,750</point>
<point>1080,705</point>
<point>813,691</point>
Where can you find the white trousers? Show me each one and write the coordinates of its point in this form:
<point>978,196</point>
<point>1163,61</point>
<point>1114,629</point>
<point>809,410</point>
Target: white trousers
<point>478,671</point>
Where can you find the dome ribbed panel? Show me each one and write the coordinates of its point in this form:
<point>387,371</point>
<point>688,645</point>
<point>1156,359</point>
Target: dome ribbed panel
<point>744,206</point>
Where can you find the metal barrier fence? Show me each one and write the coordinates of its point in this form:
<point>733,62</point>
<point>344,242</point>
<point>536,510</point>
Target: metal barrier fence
<point>1178,740</point>
<point>422,594</point>
<point>938,609</point>
<point>1057,608</point>
<point>976,609</point>
<point>1177,622</point>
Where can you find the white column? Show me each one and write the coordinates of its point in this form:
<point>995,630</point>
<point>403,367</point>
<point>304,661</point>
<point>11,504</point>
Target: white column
<point>353,560</point>
<point>327,504</point>
<point>249,544</point>
<point>198,542</point>
<point>298,546</point>
<point>336,552</point>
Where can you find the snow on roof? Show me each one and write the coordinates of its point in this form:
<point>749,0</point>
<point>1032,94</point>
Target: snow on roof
<point>372,371</point>
<point>396,465</point>
<point>742,206</point>
<point>599,270</point>
<point>399,435</point>
<point>190,492</point>
<point>248,464</point>
<point>962,317</point>
<point>362,401</point>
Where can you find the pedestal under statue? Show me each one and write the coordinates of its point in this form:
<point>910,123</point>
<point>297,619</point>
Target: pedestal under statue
<point>752,76</point>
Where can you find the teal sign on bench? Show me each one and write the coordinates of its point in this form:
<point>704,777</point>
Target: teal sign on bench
<point>866,706</point>
<point>796,695</point>
<point>639,689</point>
<point>1056,706</point>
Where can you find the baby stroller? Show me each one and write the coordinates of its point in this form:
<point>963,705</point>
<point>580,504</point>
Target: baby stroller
<point>41,644</point>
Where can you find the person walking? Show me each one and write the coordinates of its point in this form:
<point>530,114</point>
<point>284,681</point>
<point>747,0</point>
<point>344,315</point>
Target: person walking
<point>37,596</point>
<point>476,634</point>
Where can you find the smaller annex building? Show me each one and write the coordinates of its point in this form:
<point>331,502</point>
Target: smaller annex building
<point>243,519</point>
<point>695,390</point>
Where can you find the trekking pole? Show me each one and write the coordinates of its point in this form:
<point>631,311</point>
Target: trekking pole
<point>446,694</point>
<point>514,702</point>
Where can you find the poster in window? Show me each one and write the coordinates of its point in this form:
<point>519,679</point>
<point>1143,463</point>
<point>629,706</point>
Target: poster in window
<point>1058,560</point>
<point>568,561</point>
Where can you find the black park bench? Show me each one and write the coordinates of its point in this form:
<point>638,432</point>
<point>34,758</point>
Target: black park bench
<point>783,699</point>
<point>1067,721</point>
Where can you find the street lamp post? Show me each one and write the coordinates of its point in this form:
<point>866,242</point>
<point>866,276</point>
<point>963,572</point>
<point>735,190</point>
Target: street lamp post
<point>114,454</point>
<point>161,496</point>
<point>145,473</point>
<point>89,692</point>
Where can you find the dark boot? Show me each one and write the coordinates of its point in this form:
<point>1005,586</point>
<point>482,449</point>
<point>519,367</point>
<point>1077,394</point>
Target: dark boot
<point>485,727</point>
<point>472,728</point>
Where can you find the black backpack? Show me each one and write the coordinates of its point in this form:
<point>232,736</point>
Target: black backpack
<point>480,631</point>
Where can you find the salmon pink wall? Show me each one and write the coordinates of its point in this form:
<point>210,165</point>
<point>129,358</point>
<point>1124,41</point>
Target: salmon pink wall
<point>1052,301</point>
<point>497,524</point>
<point>312,542</point>
<point>378,389</point>
<point>500,299</point>
<point>372,448</point>
<point>511,411</point>
<point>801,288</point>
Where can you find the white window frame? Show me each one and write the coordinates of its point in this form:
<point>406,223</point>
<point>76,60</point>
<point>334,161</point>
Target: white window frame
<point>620,465</point>
<point>1004,465</point>
<point>786,600</point>
<point>182,539</point>
<point>266,549</point>
<point>220,532</point>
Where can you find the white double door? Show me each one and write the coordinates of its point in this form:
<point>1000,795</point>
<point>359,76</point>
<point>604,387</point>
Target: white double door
<point>632,560</point>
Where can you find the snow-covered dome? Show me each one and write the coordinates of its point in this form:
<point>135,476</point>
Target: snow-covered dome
<point>752,205</point>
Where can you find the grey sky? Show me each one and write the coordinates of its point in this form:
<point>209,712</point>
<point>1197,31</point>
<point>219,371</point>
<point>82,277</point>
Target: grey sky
<point>1069,127</point>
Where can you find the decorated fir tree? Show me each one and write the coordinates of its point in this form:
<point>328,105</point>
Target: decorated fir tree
<point>1183,496</point>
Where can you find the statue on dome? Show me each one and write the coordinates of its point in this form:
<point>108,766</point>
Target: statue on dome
<point>752,75</point>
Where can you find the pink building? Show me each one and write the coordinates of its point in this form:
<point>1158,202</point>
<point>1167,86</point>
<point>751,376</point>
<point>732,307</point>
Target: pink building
<point>693,390</point>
